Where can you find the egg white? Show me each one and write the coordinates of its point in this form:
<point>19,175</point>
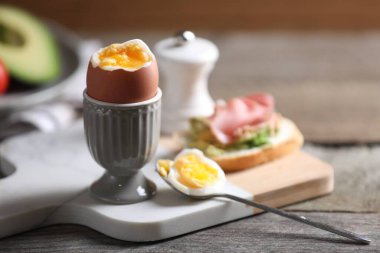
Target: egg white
<point>173,175</point>
<point>95,61</point>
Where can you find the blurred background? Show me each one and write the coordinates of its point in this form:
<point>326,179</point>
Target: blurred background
<point>320,59</point>
<point>220,15</point>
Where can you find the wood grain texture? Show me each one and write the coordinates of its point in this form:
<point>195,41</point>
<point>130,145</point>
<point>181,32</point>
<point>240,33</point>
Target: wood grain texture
<point>262,233</point>
<point>290,179</point>
<point>357,179</point>
<point>209,14</point>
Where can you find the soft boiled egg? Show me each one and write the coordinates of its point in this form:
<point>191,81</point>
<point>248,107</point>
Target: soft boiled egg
<point>192,173</point>
<point>123,73</point>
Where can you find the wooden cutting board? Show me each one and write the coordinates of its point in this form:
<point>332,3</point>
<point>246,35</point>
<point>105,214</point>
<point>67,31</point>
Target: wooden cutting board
<point>49,175</point>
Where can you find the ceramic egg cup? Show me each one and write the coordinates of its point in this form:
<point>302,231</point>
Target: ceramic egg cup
<point>122,138</point>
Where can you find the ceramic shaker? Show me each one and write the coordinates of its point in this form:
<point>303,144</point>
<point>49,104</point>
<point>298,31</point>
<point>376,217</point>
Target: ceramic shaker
<point>185,63</point>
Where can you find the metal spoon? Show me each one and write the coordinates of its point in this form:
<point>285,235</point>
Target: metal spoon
<point>350,235</point>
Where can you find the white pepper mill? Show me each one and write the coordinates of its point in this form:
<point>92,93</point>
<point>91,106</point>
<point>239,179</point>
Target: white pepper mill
<point>185,62</point>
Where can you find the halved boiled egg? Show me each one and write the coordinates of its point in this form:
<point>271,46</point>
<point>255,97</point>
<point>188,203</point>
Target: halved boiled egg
<point>123,73</point>
<point>192,173</point>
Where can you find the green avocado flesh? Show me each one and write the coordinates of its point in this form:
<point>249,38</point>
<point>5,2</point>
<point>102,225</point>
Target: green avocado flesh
<point>202,138</point>
<point>27,48</point>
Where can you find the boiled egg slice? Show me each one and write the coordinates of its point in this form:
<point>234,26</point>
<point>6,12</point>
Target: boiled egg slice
<point>193,173</point>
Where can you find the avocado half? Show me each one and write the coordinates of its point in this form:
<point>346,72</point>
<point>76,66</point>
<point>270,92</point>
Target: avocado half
<point>27,47</point>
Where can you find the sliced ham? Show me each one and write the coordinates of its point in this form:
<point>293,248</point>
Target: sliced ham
<point>253,110</point>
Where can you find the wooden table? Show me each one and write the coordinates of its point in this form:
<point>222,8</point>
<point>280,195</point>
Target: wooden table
<point>329,84</point>
<point>263,233</point>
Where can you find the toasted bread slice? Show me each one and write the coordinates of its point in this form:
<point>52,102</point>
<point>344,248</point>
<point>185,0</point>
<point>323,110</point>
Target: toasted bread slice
<point>287,140</point>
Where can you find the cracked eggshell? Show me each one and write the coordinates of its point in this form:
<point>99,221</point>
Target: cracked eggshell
<point>122,86</point>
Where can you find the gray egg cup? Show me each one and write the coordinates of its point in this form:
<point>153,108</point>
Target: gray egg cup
<point>122,138</point>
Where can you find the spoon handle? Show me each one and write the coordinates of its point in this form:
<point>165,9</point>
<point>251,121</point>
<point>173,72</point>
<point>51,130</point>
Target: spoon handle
<point>350,235</point>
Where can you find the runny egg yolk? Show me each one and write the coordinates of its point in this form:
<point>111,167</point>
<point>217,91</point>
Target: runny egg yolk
<point>195,173</point>
<point>126,56</point>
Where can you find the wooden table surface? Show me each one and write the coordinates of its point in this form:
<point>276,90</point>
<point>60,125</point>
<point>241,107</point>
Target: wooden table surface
<point>263,233</point>
<point>328,83</point>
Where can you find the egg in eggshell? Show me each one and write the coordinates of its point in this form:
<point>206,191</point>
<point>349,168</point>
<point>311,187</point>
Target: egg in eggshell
<point>123,73</point>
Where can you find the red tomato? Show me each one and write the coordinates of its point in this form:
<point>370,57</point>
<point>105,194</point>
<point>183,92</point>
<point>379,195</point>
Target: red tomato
<point>4,79</point>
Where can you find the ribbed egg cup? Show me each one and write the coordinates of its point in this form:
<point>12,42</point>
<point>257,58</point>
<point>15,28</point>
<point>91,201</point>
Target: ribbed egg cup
<point>122,138</point>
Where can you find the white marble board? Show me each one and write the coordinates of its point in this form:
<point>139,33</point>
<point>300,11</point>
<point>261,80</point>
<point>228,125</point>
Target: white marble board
<point>49,185</point>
